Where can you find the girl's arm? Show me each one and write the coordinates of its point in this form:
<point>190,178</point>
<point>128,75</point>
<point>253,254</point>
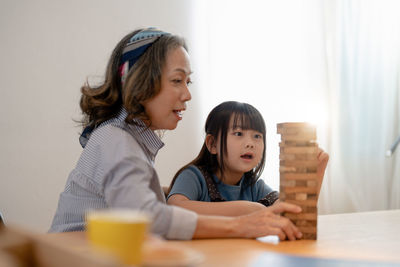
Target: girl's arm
<point>323,159</point>
<point>226,208</point>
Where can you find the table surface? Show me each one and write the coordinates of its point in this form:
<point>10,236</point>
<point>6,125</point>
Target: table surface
<point>363,236</point>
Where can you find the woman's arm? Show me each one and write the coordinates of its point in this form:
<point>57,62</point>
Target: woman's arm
<point>226,208</point>
<point>266,221</point>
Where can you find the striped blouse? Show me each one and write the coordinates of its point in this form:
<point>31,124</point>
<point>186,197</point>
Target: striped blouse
<point>116,170</point>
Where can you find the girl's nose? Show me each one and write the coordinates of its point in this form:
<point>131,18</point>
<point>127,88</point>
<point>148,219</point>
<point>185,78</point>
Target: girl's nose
<point>249,144</point>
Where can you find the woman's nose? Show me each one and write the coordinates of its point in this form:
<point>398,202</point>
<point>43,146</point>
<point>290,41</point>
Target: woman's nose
<point>186,96</point>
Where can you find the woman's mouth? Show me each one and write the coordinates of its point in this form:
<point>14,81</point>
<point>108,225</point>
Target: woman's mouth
<point>179,113</point>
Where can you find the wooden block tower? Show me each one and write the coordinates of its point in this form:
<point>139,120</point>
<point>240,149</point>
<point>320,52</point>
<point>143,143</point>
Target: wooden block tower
<point>298,174</point>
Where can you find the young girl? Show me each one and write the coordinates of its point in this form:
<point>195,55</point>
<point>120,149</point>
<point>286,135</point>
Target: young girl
<point>228,166</point>
<point>145,90</point>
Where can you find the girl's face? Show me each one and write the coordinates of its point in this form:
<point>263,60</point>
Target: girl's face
<point>244,150</point>
<point>166,108</point>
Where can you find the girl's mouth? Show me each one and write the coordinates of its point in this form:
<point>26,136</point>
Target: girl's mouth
<point>247,156</point>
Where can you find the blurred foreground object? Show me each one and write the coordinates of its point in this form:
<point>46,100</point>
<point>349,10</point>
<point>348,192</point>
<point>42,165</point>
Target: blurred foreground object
<point>20,248</point>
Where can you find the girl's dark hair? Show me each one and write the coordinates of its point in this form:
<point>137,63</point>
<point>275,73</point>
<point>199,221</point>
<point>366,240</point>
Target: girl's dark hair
<point>100,103</point>
<point>217,124</point>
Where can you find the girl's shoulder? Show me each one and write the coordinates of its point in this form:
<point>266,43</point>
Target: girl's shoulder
<point>193,169</point>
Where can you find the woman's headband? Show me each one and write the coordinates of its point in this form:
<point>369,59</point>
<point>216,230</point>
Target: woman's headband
<point>136,47</point>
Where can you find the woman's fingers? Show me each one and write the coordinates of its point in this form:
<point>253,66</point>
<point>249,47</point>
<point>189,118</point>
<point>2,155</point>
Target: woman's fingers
<point>289,229</point>
<point>284,207</point>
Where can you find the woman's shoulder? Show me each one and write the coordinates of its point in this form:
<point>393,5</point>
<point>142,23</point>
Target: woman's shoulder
<point>112,142</point>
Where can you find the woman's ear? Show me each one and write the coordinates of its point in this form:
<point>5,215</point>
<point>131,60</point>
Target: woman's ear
<point>211,144</point>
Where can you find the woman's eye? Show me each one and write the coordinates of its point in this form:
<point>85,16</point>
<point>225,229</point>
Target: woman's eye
<point>177,80</point>
<point>189,82</point>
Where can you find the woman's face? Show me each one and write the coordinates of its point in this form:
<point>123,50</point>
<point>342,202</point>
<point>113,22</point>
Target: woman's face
<point>166,108</point>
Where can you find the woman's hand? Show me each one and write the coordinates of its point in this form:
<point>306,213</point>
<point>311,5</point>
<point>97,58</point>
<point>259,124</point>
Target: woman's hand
<point>269,222</point>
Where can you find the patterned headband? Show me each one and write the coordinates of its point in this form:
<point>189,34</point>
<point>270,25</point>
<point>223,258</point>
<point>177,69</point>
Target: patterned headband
<point>135,48</point>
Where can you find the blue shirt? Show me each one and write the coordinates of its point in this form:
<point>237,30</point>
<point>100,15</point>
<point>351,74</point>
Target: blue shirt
<point>192,184</point>
<point>116,170</point>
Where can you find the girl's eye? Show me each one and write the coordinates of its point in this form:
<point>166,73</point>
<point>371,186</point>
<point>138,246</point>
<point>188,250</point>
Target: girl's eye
<point>237,133</point>
<point>257,136</point>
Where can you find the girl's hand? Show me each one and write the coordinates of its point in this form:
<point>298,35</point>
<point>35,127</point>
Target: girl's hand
<point>323,159</point>
<point>269,222</point>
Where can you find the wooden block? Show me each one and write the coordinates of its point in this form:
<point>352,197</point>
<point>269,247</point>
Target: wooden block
<point>298,143</point>
<point>299,170</point>
<point>298,176</point>
<point>299,137</point>
<point>305,223</point>
<point>311,183</point>
<point>299,149</point>
<point>300,196</point>
<point>303,203</point>
<point>300,190</point>
<point>309,209</point>
<point>287,183</point>
<point>288,156</point>
<point>302,216</point>
<point>295,130</point>
<point>299,183</point>
<point>308,236</point>
<point>294,125</point>
<point>285,169</point>
<point>308,229</point>
<point>299,163</point>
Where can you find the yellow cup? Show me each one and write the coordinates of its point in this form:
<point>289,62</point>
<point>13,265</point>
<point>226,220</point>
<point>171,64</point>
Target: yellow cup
<point>120,232</point>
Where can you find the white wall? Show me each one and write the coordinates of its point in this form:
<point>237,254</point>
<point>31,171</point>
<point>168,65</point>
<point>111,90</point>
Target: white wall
<point>48,49</point>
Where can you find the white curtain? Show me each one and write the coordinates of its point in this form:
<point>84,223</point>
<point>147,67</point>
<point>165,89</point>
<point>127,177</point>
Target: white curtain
<point>363,62</point>
<point>332,63</point>
<point>268,53</point>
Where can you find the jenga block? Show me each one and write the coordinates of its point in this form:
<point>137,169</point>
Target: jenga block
<point>299,163</point>
<point>312,190</point>
<point>287,169</point>
<point>303,203</point>
<point>302,216</point>
<point>300,196</point>
<point>299,149</point>
<point>294,125</point>
<point>287,156</point>
<point>310,236</point>
<point>309,209</point>
<point>311,183</point>
<point>305,223</point>
<point>295,130</point>
<point>300,183</point>
<point>288,183</point>
<point>298,176</point>
<point>308,229</point>
<point>299,137</point>
<point>298,143</point>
